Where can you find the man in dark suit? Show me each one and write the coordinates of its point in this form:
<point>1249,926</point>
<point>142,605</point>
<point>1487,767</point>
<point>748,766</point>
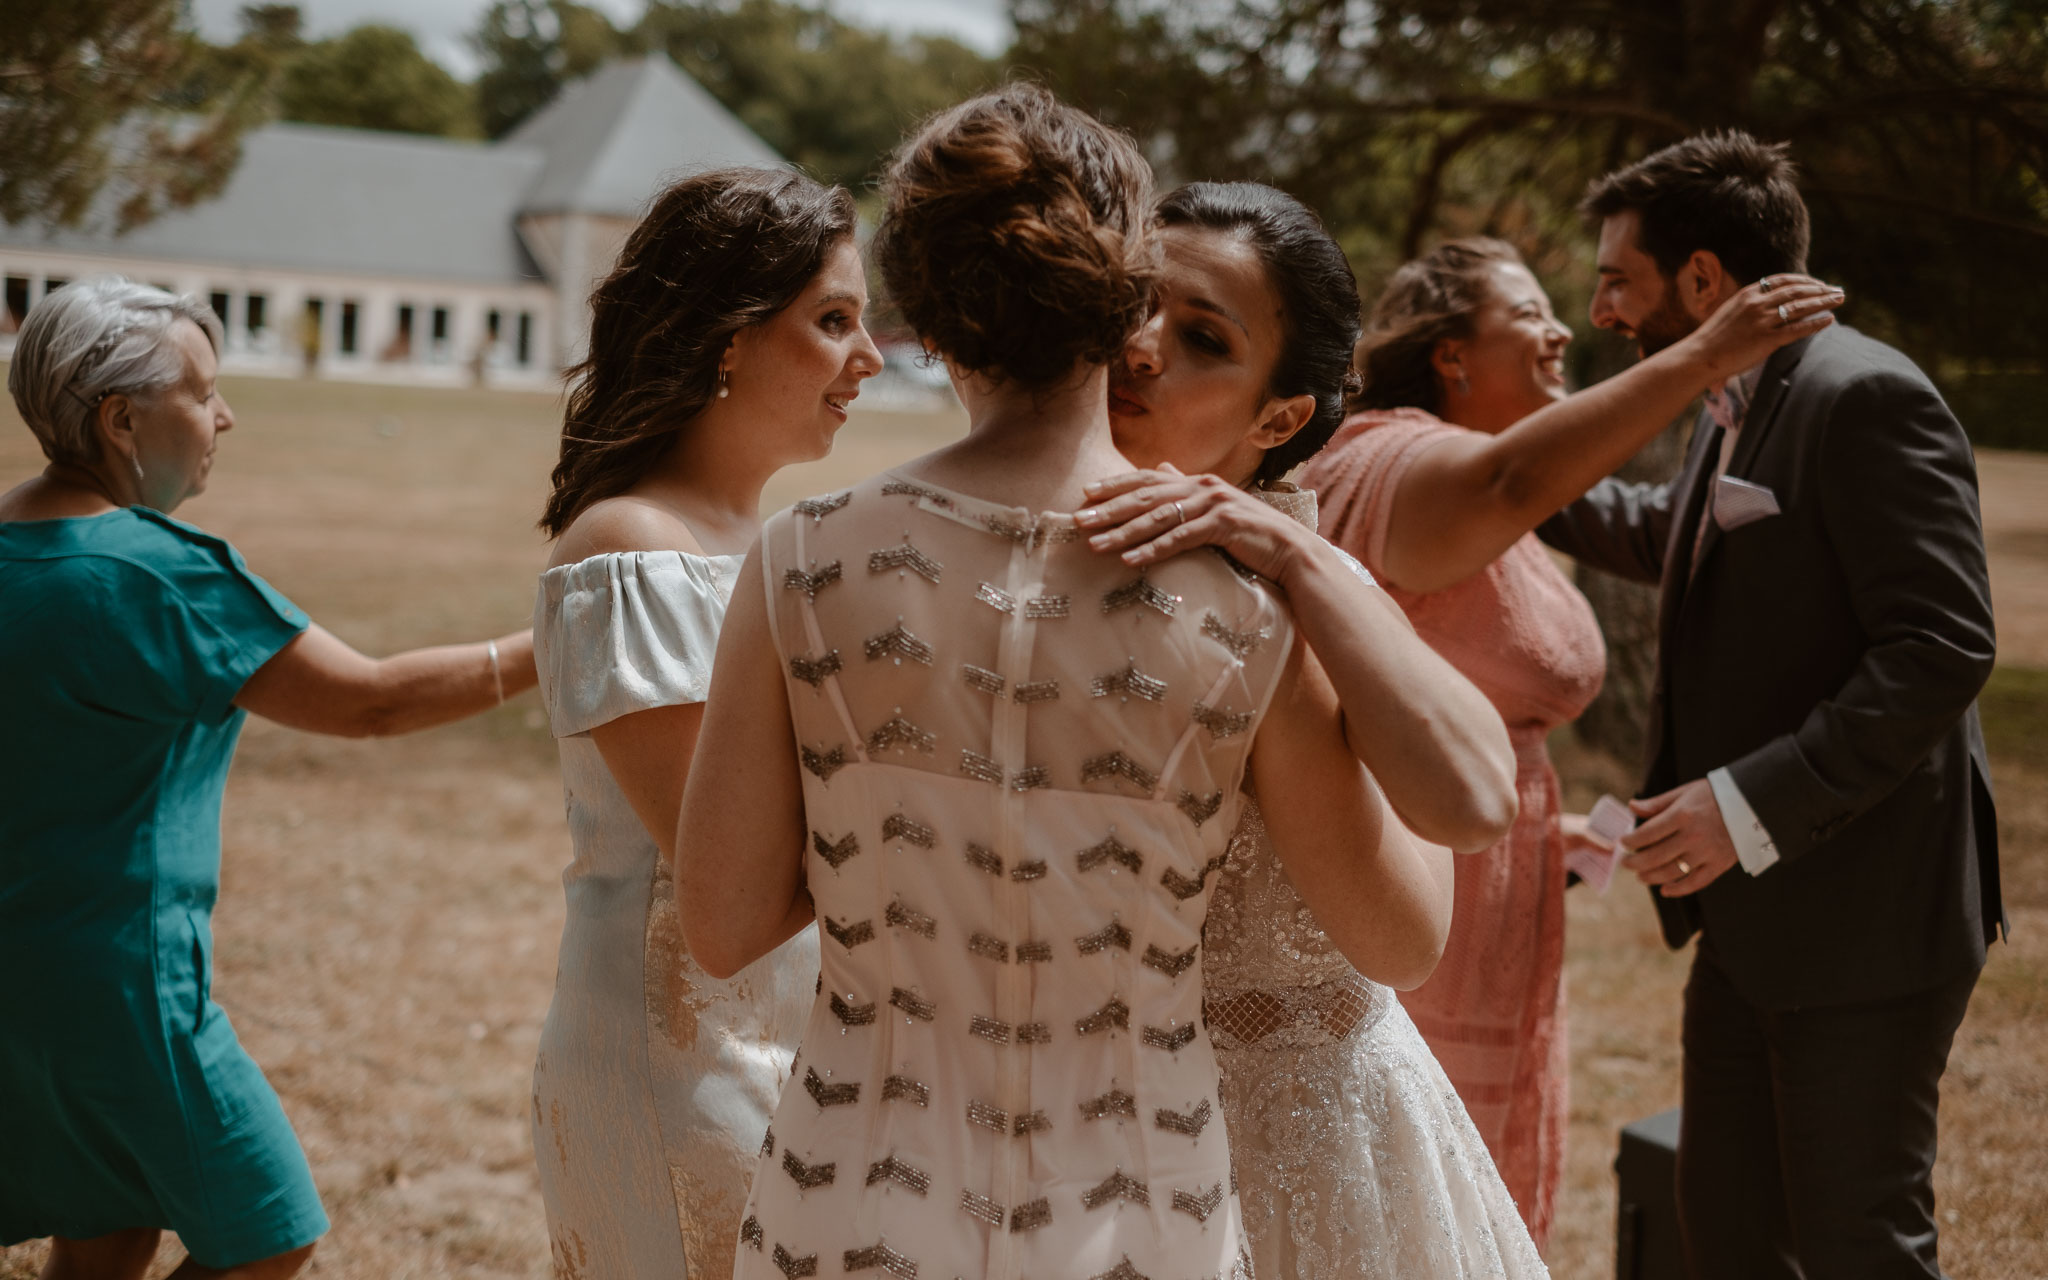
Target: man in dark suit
<point>1816,802</point>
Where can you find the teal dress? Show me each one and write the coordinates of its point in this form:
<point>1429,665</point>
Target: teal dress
<point>125,1099</point>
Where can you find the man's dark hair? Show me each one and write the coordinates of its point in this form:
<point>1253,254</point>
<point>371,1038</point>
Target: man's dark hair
<point>1726,193</point>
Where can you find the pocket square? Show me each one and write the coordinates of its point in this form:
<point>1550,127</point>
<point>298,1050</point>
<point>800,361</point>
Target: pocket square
<point>1740,502</point>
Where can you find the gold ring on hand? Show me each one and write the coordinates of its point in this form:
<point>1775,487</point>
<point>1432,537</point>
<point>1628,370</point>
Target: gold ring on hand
<point>1684,867</point>
<point>1179,512</point>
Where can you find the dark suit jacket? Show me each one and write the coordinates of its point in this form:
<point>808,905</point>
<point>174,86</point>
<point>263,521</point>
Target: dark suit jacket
<point>1830,656</point>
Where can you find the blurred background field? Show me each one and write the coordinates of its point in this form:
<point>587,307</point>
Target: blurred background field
<point>390,909</point>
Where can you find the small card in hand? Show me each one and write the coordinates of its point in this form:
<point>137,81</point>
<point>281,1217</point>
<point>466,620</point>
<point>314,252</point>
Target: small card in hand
<point>1610,820</point>
<point>1738,502</point>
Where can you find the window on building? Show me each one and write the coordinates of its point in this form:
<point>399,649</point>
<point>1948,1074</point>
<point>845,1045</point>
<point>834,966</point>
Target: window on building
<point>17,303</point>
<point>221,303</point>
<point>400,347</point>
<point>53,284</point>
<point>313,332</point>
<point>524,353</point>
<point>253,318</point>
<point>440,331</point>
<point>347,338</point>
<point>493,322</point>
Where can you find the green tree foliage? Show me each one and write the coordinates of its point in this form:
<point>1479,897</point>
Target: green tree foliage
<point>102,105</point>
<point>1921,125</point>
<point>530,49</point>
<point>831,96</point>
<point>374,77</point>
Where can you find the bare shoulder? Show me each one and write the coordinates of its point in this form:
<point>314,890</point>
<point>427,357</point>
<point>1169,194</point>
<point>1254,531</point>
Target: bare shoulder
<point>623,524</point>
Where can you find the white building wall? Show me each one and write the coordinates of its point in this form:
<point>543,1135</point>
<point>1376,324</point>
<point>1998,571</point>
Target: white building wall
<point>280,348</point>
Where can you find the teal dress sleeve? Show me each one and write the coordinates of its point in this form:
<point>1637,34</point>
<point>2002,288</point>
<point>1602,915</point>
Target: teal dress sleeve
<point>198,624</point>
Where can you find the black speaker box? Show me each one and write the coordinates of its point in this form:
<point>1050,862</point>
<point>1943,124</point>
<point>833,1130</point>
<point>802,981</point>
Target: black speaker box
<point>1646,1228</point>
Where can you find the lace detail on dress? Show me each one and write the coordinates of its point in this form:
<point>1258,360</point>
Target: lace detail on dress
<point>1352,1154</point>
<point>1274,977</point>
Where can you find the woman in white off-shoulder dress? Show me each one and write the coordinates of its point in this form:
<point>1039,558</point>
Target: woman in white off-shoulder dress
<point>655,1081</point>
<point>1353,1155</point>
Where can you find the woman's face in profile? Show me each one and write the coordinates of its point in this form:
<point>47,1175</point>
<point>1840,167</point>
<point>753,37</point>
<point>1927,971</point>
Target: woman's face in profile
<point>174,431</point>
<point>1514,360</point>
<point>1195,376</point>
<point>794,373</point>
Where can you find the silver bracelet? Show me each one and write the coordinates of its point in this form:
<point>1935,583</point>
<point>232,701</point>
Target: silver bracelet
<point>497,677</point>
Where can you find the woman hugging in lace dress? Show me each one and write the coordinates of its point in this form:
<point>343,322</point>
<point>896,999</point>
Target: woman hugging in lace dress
<point>1352,1153</point>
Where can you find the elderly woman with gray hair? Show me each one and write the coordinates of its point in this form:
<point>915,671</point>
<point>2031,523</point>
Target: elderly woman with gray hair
<point>133,645</point>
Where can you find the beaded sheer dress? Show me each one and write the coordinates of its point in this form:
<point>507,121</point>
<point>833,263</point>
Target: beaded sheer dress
<point>1353,1155</point>
<point>1021,763</point>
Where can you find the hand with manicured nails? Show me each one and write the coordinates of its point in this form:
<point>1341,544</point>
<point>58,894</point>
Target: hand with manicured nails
<point>1149,516</point>
<point>1767,315</point>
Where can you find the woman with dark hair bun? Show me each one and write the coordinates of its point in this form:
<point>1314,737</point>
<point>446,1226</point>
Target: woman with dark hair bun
<point>1352,1153</point>
<point>725,344</point>
<point>1001,770</point>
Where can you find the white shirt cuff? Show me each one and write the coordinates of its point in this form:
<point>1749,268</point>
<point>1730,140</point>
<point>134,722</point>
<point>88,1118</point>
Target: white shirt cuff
<point>1753,847</point>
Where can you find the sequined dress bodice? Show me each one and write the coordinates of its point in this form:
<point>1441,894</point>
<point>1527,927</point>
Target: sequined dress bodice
<point>1274,977</point>
<point>1021,763</point>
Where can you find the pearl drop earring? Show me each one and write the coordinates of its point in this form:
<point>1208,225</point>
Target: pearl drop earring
<point>724,390</point>
<point>1464,384</point>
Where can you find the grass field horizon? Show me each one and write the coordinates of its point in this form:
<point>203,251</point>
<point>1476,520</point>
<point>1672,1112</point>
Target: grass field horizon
<point>386,937</point>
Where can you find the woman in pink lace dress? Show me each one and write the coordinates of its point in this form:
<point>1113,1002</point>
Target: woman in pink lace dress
<point>1466,443</point>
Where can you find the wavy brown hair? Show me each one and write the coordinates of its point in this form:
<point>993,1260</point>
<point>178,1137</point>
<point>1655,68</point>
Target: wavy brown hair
<point>717,252</point>
<point>1426,301</point>
<point>1016,236</point>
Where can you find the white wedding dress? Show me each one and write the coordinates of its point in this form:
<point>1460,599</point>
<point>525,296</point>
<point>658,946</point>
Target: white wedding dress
<point>1352,1154</point>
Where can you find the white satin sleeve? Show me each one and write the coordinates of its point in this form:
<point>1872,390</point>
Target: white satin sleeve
<point>627,631</point>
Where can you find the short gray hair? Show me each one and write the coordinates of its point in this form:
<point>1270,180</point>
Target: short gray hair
<point>102,336</point>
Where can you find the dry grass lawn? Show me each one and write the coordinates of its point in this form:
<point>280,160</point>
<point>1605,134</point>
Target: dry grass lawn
<point>390,912</point>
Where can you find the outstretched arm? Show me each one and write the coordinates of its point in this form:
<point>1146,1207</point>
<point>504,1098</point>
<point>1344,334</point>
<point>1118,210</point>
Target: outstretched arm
<point>739,849</point>
<point>1502,486</point>
<point>1428,735</point>
<point>1383,896</point>
<point>1619,527</point>
<point>322,685</point>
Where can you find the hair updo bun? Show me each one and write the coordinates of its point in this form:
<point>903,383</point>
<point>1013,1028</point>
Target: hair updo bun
<point>1015,237</point>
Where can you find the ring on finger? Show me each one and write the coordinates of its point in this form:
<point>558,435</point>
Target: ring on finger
<point>1766,284</point>
<point>1684,867</point>
<point>1783,318</point>
<point>1183,515</point>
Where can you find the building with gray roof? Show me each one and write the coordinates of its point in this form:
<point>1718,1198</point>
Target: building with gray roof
<point>398,258</point>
